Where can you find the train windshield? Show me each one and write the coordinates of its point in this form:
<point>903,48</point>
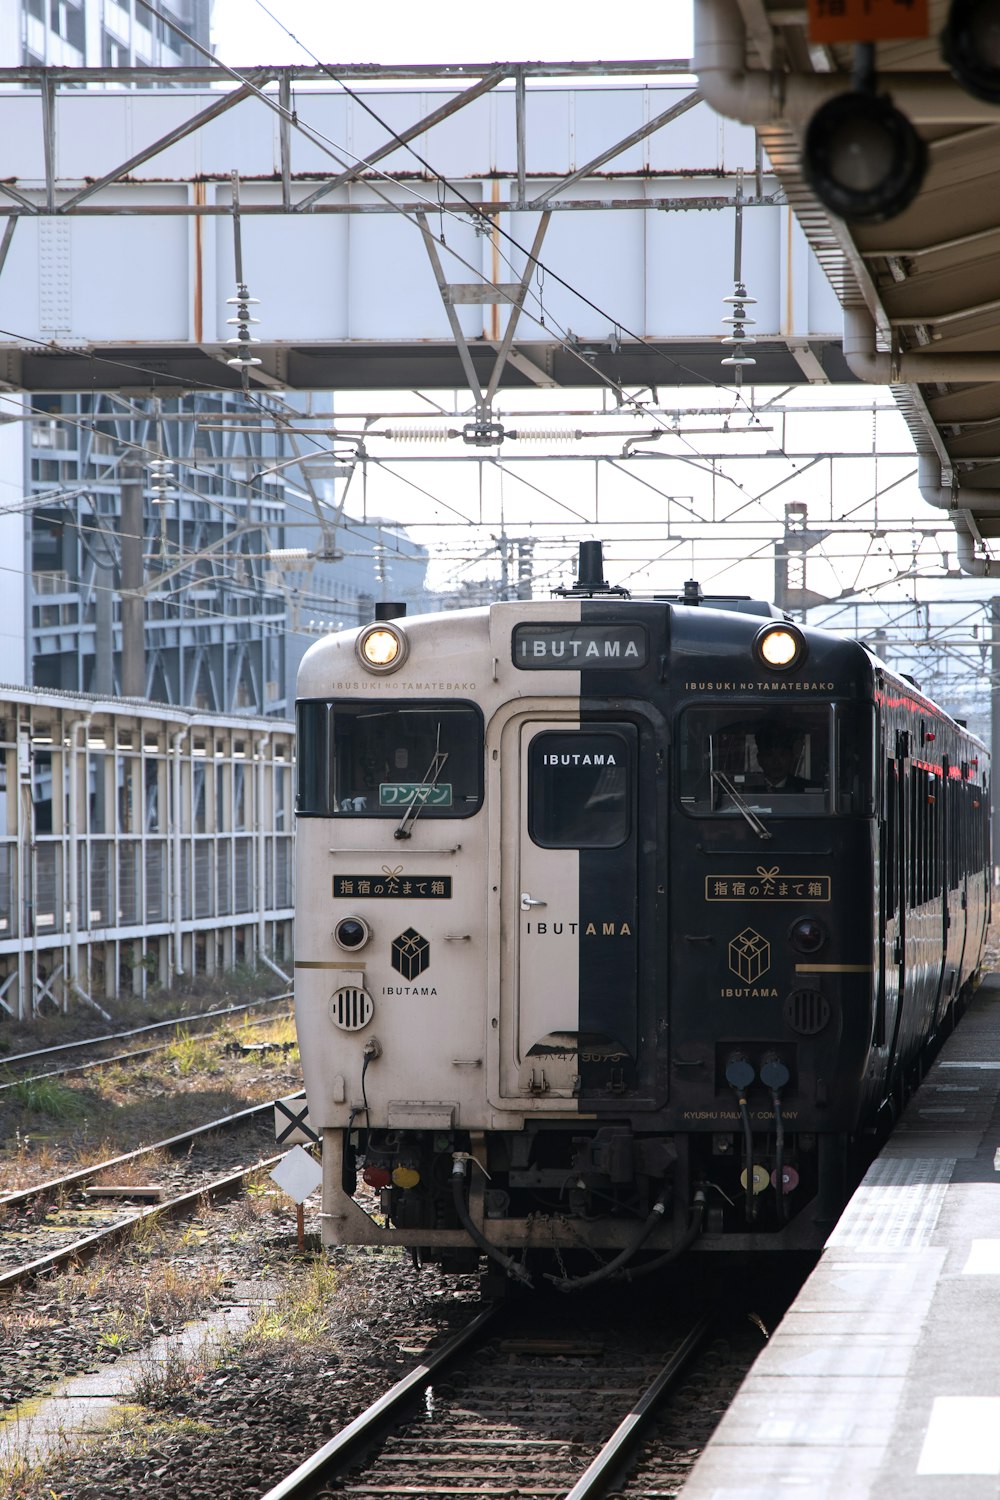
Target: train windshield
<point>801,760</point>
<point>386,759</point>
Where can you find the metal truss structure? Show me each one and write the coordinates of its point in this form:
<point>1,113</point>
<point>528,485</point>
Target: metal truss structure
<point>137,845</point>
<point>416,236</point>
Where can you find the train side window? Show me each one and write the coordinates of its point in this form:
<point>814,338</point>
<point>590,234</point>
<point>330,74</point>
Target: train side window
<point>378,760</point>
<point>856,759</point>
<point>578,789</point>
<point>890,859</point>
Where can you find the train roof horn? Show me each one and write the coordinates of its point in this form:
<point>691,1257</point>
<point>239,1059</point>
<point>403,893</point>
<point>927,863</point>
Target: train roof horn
<point>590,579</point>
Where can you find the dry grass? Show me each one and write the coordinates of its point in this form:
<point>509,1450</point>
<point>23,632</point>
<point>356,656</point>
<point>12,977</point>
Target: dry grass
<point>129,1173</point>
<point>262,1200</point>
<point>132,1432</point>
<point>114,1111</point>
<point>190,1053</point>
<point>302,1313</point>
<point>201,993</point>
<point>22,1478</point>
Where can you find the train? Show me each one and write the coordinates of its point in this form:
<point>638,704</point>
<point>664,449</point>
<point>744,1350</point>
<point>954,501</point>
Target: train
<point>623,926</point>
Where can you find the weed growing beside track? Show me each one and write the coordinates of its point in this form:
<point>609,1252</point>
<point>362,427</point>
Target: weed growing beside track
<point>51,1125</point>
<point>184,999</point>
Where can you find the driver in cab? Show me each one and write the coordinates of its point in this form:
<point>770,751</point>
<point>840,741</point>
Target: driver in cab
<point>777,755</point>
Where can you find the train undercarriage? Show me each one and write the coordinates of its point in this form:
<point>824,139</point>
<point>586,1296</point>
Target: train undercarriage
<point>609,1198</point>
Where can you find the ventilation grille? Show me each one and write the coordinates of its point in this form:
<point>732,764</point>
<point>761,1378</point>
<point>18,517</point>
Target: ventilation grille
<point>807,1011</point>
<point>351,1008</point>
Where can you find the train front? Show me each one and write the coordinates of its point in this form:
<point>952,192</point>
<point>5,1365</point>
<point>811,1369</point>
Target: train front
<point>567,978</point>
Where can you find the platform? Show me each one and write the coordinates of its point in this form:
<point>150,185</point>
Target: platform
<point>883,1379</point>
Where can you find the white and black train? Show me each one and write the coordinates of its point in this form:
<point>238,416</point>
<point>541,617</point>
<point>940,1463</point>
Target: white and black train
<point>619,922</point>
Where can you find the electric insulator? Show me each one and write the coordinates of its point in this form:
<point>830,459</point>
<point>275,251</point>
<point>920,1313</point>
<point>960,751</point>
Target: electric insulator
<point>547,434</point>
<point>738,322</point>
<point>417,434</point>
<point>288,554</point>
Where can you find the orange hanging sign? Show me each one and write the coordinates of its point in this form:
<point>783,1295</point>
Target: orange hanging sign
<point>867,20</point>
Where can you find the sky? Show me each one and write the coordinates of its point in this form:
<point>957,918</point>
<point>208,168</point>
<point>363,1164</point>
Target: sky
<point>443,31</point>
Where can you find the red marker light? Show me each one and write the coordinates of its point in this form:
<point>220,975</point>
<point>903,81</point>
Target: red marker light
<point>376,1176</point>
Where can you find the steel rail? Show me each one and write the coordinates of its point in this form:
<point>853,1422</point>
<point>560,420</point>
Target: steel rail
<point>123,1057</point>
<point>597,1479</point>
<point>84,1174</point>
<point>315,1471</point>
<point>82,1249</point>
<point>120,1036</point>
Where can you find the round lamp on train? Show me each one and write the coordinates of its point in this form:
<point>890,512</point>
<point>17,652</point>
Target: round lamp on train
<point>862,157</point>
<point>352,932</point>
<point>807,935</point>
<point>780,647</point>
<point>381,647</point>
<point>970,45</point>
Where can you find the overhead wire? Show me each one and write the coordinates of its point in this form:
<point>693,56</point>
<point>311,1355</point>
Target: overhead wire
<point>490,220</point>
<point>474,209</point>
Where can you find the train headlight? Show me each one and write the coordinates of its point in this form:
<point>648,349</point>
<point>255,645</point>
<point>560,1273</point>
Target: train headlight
<point>970,45</point>
<point>381,647</point>
<point>807,935</point>
<point>352,932</point>
<point>780,647</point>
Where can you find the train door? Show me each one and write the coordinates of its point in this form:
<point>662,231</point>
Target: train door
<point>569,990</point>
<point>959,867</point>
<point>896,871</point>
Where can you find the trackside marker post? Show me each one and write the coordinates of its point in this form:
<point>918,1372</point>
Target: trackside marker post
<point>298,1175</point>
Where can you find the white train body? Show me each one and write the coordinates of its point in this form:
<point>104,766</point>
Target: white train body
<point>457,1006</point>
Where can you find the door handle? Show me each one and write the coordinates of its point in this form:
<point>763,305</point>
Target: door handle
<point>527,902</point>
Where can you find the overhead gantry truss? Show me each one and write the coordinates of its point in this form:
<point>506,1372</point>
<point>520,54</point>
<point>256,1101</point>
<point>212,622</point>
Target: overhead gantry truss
<point>400,228</point>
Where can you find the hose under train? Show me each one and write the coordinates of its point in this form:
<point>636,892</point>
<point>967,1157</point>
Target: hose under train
<point>512,1267</point>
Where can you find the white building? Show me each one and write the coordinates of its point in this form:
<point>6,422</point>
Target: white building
<point>100,33</point>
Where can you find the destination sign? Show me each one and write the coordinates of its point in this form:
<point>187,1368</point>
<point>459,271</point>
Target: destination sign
<point>406,793</point>
<point>575,648</point>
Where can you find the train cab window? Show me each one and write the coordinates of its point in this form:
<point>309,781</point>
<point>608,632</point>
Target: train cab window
<point>579,789</point>
<point>379,760</point>
<point>801,760</point>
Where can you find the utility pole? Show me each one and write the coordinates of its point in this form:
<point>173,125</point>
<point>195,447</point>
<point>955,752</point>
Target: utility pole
<point>994,724</point>
<point>790,592</point>
<point>104,630</point>
<point>133,608</point>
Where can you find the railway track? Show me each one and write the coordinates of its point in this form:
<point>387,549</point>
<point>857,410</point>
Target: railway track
<point>504,1410</point>
<point>177,1025</point>
<point>39,1237</point>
